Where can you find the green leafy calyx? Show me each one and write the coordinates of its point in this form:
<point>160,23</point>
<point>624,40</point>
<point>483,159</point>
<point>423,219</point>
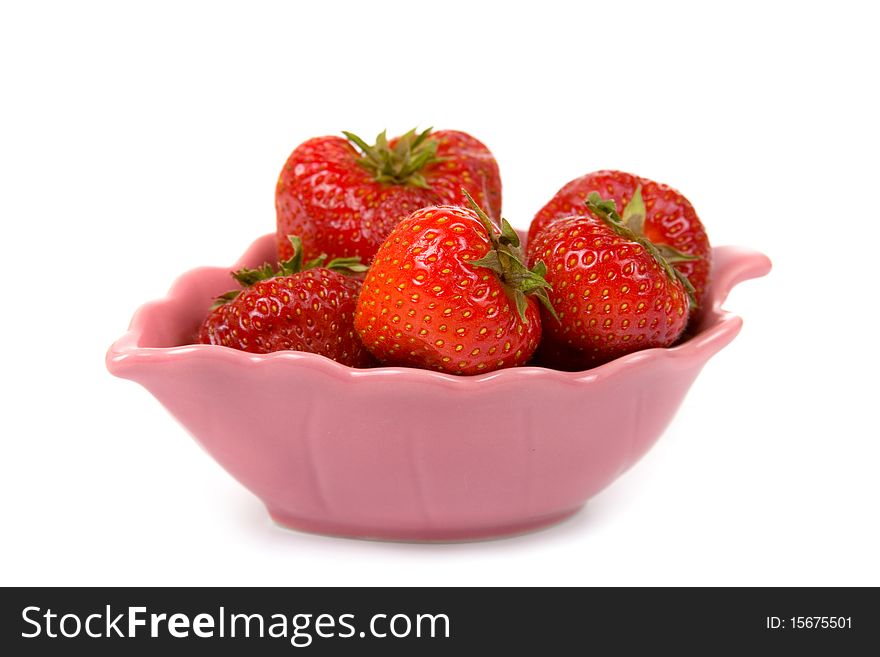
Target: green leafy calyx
<point>247,277</point>
<point>506,259</point>
<point>632,227</point>
<point>401,164</point>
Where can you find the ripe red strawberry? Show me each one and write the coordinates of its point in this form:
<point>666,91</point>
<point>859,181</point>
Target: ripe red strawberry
<point>613,291</point>
<point>447,292</point>
<point>343,197</point>
<point>669,218</point>
<point>303,308</point>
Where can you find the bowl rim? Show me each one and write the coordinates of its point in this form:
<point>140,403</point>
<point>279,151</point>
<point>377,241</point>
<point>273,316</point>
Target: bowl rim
<point>731,265</point>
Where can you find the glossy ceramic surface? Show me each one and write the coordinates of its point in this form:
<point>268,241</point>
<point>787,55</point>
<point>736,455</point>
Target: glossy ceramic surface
<point>408,454</point>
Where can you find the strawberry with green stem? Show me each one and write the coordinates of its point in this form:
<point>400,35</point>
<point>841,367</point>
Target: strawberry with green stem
<point>343,196</point>
<point>667,218</point>
<point>614,290</point>
<point>298,306</point>
<point>448,291</point>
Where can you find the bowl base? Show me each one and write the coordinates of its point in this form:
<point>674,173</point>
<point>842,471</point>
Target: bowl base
<point>419,534</point>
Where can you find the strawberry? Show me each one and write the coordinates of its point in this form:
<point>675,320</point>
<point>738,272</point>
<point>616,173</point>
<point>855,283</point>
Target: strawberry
<point>343,196</point>
<point>613,290</point>
<point>447,292</point>
<point>669,218</point>
<point>300,307</point>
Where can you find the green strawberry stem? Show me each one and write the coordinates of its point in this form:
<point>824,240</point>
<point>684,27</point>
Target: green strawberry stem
<point>505,258</point>
<point>631,226</point>
<point>400,165</point>
<point>634,213</point>
<point>247,277</point>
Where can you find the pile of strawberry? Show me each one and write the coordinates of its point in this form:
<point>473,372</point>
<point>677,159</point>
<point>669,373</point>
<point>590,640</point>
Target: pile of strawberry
<point>396,254</point>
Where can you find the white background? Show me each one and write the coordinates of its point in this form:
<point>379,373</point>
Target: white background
<point>139,141</point>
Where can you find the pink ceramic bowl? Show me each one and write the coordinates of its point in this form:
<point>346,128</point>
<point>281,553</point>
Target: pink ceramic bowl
<point>399,453</point>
